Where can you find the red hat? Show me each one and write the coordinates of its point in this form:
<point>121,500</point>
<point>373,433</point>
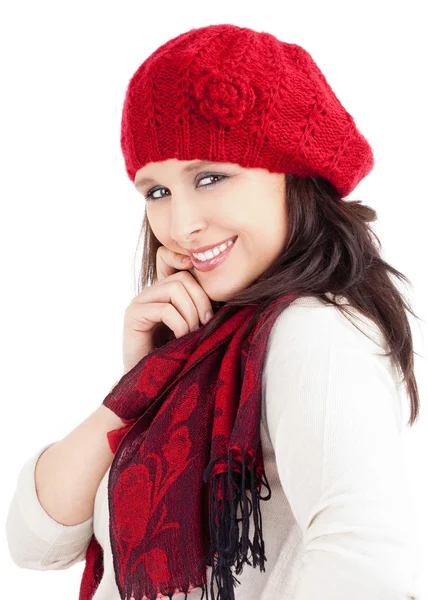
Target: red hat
<point>228,93</point>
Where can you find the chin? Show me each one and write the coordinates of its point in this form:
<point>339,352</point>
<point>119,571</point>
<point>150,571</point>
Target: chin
<point>219,295</point>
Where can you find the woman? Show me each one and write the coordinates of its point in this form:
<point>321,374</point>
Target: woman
<point>243,154</point>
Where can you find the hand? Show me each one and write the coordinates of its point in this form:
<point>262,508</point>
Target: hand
<point>174,305</point>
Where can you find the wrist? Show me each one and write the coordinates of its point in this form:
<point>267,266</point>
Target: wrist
<point>111,419</point>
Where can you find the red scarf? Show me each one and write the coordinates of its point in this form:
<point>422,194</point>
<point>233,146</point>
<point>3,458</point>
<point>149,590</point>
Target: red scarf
<point>182,465</point>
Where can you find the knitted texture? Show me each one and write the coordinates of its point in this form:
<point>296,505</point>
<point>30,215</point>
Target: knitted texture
<point>228,93</point>
<point>193,413</point>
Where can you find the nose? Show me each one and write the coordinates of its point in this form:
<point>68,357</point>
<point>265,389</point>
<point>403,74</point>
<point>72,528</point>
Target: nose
<point>187,220</point>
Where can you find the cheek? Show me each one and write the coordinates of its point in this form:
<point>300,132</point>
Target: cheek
<point>159,225</point>
<point>268,234</point>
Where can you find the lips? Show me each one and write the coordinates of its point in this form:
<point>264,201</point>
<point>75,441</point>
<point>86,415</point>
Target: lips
<point>208,265</point>
<point>206,248</point>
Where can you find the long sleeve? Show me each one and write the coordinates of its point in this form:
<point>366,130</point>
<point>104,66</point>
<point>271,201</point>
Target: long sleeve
<point>35,540</point>
<point>334,417</point>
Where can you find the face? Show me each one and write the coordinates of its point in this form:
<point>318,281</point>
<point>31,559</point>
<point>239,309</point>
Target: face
<point>193,204</point>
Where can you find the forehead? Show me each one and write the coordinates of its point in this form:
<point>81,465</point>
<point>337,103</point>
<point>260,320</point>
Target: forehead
<point>148,173</point>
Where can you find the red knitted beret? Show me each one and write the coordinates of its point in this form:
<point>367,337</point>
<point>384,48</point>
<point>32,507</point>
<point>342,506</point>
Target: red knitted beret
<point>228,93</point>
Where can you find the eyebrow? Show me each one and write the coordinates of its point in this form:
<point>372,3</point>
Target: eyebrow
<point>187,169</point>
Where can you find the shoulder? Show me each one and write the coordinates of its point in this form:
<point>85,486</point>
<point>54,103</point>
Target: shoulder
<point>316,354</point>
<point>309,322</point>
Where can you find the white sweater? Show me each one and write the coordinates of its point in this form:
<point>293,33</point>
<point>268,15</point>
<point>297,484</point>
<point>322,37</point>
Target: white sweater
<point>337,524</point>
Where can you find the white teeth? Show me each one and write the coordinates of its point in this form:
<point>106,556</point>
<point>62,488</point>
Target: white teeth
<point>213,252</point>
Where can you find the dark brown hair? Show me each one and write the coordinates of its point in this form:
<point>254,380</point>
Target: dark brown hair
<point>330,248</point>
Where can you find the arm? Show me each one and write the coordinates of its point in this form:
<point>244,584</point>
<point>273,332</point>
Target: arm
<point>69,472</point>
<point>334,420</point>
<point>35,540</point>
<point>50,519</point>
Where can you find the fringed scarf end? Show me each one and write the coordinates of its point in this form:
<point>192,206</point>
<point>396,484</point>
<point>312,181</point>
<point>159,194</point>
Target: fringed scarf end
<point>227,548</point>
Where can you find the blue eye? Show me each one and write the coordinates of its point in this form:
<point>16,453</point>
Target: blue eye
<point>150,198</point>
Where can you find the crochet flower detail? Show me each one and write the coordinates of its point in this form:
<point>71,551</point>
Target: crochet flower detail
<point>223,97</point>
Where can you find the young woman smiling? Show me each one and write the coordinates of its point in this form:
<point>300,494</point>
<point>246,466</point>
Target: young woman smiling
<point>267,345</point>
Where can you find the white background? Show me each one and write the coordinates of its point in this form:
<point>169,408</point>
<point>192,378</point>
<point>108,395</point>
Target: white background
<point>71,217</point>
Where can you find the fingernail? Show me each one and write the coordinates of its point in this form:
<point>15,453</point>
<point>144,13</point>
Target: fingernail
<point>185,258</point>
<point>208,316</point>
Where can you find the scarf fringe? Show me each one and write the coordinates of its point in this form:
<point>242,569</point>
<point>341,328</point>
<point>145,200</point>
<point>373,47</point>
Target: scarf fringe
<point>186,591</point>
<point>227,549</point>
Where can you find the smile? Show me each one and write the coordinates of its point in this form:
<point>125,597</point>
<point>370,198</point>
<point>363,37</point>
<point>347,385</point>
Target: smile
<point>212,258</point>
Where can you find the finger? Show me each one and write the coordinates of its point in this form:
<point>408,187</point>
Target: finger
<point>169,262</point>
<point>184,292</point>
<point>198,295</point>
<point>163,312</point>
<point>171,290</point>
